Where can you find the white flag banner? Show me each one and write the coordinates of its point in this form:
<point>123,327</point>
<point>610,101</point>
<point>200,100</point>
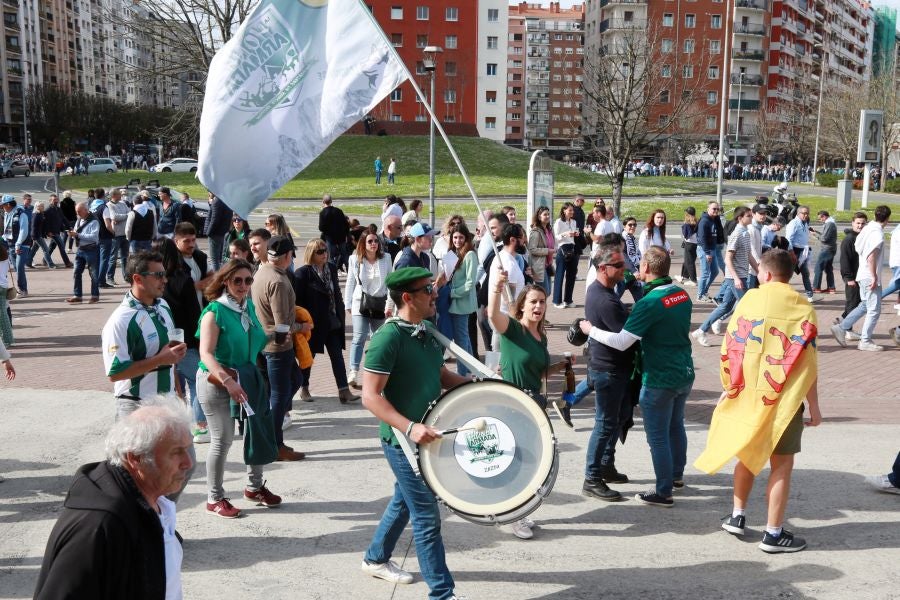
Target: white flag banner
<point>295,76</point>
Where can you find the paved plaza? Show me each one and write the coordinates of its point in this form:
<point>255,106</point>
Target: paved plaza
<point>56,413</point>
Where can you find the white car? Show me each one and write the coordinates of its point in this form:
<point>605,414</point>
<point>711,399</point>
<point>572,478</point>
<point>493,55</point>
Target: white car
<point>176,165</point>
<point>102,165</point>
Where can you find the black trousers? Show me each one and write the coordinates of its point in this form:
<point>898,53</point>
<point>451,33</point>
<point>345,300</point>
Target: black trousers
<point>689,267</point>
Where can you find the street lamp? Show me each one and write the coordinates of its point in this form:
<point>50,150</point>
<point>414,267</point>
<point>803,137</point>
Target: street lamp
<point>723,114</point>
<point>815,176</point>
<point>430,63</point>
<point>737,125</point>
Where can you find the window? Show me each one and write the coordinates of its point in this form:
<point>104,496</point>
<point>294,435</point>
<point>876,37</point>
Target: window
<point>558,37</point>
<point>668,20</point>
<point>450,68</point>
<point>421,41</point>
<point>715,21</point>
<point>420,68</point>
<point>666,71</point>
<point>666,46</point>
<point>493,15</point>
<point>421,13</point>
<point>713,72</point>
<point>396,13</point>
<point>451,13</point>
<point>490,97</point>
<point>490,122</point>
<point>492,42</point>
<point>689,46</point>
<point>715,47</point>
<point>712,97</point>
<point>492,69</point>
<point>663,120</point>
<point>397,95</point>
<point>421,118</point>
<point>450,41</point>
<point>396,118</point>
<point>515,116</point>
<point>450,119</point>
<point>690,21</point>
<point>449,96</point>
<point>687,71</point>
<point>664,97</point>
<point>710,122</point>
<point>397,40</point>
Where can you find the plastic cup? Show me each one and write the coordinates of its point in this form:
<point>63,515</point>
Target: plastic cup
<point>281,331</point>
<point>176,336</point>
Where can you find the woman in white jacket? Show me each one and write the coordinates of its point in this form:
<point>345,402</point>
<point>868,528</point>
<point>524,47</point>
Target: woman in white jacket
<point>367,269</point>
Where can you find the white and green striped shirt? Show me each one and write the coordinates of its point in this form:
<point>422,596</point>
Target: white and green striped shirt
<point>132,333</point>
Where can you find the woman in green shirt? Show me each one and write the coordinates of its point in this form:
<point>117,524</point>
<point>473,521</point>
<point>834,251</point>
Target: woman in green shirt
<point>230,386</point>
<point>524,359</point>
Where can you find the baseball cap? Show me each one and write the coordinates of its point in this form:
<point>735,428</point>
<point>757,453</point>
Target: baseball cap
<point>420,229</point>
<point>7,198</point>
<point>280,245</point>
<point>691,211</point>
<point>760,208</point>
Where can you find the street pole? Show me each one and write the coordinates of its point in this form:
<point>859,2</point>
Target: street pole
<point>723,116</point>
<point>431,207</point>
<point>815,176</point>
<point>737,125</point>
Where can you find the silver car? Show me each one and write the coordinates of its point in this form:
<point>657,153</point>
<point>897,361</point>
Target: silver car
<point>11,168</point>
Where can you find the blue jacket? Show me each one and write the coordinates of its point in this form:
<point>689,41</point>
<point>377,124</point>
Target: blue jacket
<point>706,233</point>
<point>219,220</point>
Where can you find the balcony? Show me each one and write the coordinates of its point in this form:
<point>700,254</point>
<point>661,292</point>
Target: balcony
<point>754,55</point>
<point>538,39</point>
<point>620,25</point>
<point>751,29</point>
<point>753,4</point>
<point>747,79</point>
<point>605,3</point>
<point>744,104</point>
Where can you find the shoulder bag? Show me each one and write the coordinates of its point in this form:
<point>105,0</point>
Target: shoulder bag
<point>371,307</point>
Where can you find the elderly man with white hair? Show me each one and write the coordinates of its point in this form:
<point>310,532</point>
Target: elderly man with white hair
<point>115,537</point>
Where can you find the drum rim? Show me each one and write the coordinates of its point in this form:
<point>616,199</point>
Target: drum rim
<point>542,473</point>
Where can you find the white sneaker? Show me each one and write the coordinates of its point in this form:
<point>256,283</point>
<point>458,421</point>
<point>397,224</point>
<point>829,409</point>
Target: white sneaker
<point>678,278</point>
<point>688,283</point>
<point>895,335</point>
<point>388,571</point>
<point>201,436</point>
<point>882,484</point>
<point>852,336</point>
<point>570,305</point>
<point>700,337</point>
<point>870,346</point>
<point>352,381</point>
<point>839,335</point>
<point>559,306</point>
<point>521,530</point>
<point>716,327</point>
<point>287,423</point>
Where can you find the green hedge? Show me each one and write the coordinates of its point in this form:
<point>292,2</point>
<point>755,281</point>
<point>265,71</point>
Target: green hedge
<point>828,179</point>
<point>893,185</point>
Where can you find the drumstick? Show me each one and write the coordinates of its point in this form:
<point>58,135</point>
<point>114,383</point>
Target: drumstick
<point>480,425</point>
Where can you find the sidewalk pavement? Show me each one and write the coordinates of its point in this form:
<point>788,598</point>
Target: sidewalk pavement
<point>60,406</point>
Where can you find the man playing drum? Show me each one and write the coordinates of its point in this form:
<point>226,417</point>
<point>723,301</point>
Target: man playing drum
<point>404,372</point>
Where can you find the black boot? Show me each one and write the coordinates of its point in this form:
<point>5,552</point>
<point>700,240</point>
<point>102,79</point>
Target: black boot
<point>598,489</point>
<point>610,475</point>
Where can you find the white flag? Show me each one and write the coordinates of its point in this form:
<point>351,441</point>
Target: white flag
<point>296,75</point>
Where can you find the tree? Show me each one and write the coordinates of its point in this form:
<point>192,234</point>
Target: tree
<point>840,121</point>
<point>630,103</point>
<point>885,96</point>
<point>766,132</point>
<point>795,109</point>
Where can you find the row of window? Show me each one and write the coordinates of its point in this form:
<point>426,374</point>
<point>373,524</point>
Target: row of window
<point>449,96</point>
<point>451,42</point>
<point>690,20</point>
<point>711,97</point>
<point>451,13</point>
<point>687,71</point>
<point>666,120</point>
<point>667,46</point>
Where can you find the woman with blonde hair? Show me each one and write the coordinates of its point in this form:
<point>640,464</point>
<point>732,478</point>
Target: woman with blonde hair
<point>276,225</point>
<point>540,248</point>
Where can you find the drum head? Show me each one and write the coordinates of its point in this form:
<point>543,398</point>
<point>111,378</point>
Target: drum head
<point>497,474</point>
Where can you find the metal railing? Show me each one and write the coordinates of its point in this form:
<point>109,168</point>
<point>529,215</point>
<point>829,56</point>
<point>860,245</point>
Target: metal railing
<point>751,29</point>
<point>747,79</point>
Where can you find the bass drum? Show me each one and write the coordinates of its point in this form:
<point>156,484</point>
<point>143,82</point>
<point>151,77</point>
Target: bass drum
<point>500,473</point>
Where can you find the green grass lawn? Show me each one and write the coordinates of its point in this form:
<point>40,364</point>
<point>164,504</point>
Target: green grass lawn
<point>345,170</point>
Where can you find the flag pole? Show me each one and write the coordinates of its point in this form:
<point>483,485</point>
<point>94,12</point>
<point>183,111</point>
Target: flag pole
<point>434,119</point>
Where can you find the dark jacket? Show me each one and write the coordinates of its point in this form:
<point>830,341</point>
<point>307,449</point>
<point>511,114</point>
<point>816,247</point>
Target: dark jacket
<point>849,256</point>
<point>53,220</point>
<point>706,232</point>
<point>169,218</point>
<point>313,296</point>
<point>67,205</point>
<point>181,296</point>
<point>107,542</point>
<point>333,224</point>
<point>219,220</point>
<point>580,241</point>
<point>37,225</point>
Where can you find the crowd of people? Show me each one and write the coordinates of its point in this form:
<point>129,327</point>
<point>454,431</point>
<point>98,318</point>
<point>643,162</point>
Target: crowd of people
<point>235,332</point>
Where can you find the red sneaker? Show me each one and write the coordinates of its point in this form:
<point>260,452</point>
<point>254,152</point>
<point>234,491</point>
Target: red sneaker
<point>263,496</point>
<point>223,508</point>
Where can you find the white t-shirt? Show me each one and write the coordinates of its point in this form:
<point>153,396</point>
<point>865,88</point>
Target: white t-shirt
<point>869,240</point>
<point>515,278</point>
<point>173,550</point>
<point>602,228</point>
<point>4,273</point>
<point>894,258</point>
<point>196,275</point>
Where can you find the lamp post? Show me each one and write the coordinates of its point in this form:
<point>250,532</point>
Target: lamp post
<point>430,63</point>
<point>723,114</point>
<point>815,176</point>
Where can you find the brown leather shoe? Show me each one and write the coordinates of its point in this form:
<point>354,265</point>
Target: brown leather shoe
<point>94,300</point>
<point>74,300</point>
<point>345,396</point>
<point>285,454</point>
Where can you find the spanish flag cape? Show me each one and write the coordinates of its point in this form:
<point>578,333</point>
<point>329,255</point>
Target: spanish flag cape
<point>767,364</point>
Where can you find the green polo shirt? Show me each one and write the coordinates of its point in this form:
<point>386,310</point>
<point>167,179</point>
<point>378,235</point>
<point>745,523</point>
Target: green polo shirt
<point>662,319</point>
<point>523,359</point>
<point>413,366</point>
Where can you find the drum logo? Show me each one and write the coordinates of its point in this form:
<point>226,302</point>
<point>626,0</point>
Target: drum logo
<point>485,453</point>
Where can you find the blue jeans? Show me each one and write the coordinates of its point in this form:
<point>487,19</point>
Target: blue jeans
<point>377,177</point>
<point>19,262</point>
<point>708,271</point>
<point>413,500</point>
<point>216,251</point>
<point>894,475</point>
<point>663,411</point>
<point>583,388</point>
<point>565,270</point>
<point>730,296</point>
<point>42,244</point>
<point>59,240</point>
<point>460,324</point>
<point>610,399</point>
<point>186,369</point>
<point>337,254</point>
<point>894,286</point>
<point>824,264</point>
<point>140,246</point>
<point>362,328</point>
<point>870,306</point>
<point>442,306</point>
<point>91,260</point>
<point>106,247</point>
<point>547,284</point>
<point>284,381</point>
<point>118,249</point>
<point>804,271</point>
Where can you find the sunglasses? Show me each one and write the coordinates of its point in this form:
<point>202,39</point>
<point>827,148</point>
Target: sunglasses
<point>616,265</point>
<point>372,241</point>
<point>321,251</point>
<point>428,289</point>
<point>242,280</point>
<point>157,274</point>
<point>630,224</point>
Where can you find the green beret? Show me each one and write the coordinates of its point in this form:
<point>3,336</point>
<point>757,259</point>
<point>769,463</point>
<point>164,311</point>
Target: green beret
<point>402,279</point>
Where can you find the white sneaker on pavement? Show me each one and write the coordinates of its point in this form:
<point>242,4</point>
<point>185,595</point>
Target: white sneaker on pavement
<point>839,335</point>
<point>521,530</point>
<point>388,571</point>
<point>870,346</point>
<point>287,423</point>
<point>882,484</point>
<point>700,337</point>
<point>716,327</point>
<point>852,336</point>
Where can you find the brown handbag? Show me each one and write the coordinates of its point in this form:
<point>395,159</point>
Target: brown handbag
<point>217,382</point>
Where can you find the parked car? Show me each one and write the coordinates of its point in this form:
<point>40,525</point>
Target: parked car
<point>176,165</point>
<point>11,168</point>
<point>201,207</point>
<point>102,165</point>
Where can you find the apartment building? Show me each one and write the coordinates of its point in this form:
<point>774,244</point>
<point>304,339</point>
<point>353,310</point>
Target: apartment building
<point>492,68</point>
<point>545,55</point>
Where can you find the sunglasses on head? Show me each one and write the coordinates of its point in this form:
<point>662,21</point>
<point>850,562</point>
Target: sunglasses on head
<point>242,280</point>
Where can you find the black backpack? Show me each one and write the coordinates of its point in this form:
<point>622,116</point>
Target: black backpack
<point>481,292</point>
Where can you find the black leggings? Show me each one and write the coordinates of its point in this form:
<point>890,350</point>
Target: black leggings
<point>689,267</point>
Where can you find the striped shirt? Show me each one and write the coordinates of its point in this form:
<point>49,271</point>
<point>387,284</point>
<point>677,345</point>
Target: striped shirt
<point>739,243</point>
<point>132,333</point>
